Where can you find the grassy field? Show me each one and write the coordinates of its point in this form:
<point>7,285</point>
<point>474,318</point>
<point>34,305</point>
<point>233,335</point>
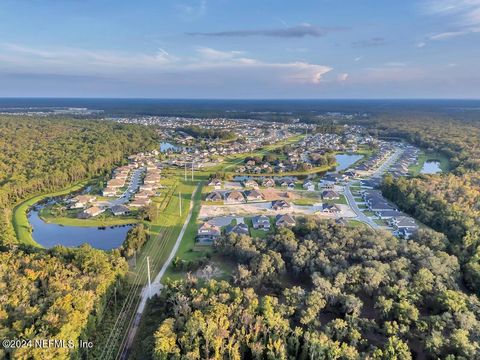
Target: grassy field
<point>342,200</point>
<point>188,250</point>
<point>20,222</point>
<point>355,223</point>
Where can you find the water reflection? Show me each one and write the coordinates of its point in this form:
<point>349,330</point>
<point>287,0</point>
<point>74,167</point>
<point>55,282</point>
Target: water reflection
<point>49,235</point>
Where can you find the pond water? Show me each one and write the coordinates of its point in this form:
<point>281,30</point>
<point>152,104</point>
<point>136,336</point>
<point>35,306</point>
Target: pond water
<point>346,160</point>
<point>166,146</point>
<point>49,235</point>
<point>431,167</point>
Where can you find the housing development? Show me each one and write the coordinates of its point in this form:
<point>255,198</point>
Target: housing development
<point>184,225</point>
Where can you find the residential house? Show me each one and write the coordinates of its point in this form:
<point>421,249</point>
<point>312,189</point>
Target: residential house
<point>81,201</point>
<point>330,208</point>
<point>138,203</point>
<point>214,196</point>
<point>91,212</point>
<point>207,233</point>
<point>308,185</point>
<point>284,220</point>
<point>146,187</point>
<point>251,184</point>
<point>268,182</point>
<point>234,197</point>
<point>144,194</point>
<point>330,195</point>
<point>216,183</point>
<point>109,192</point>
<point>404,225</point>
<point>280,205</point>
<point>254,195</point>
<point>115,183</point>
<point>118,210</point>
<point>261,222</point>
<point>239,229</point>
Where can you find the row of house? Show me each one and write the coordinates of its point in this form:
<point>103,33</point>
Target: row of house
<point>385,149</point>
<point>404,226</point>
<point>241,197</point>
<point>148,189</point>
<point>207,233</point>
<point>408,158</point>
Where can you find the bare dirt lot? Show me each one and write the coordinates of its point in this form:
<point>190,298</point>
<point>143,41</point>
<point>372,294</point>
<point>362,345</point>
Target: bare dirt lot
<point>265,208</point>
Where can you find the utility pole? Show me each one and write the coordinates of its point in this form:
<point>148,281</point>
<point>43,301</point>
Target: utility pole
<point>115,297</point>
<point>180,199</point>
<point>192,170</point>
<point>185,171</point>
<point>149,282</point>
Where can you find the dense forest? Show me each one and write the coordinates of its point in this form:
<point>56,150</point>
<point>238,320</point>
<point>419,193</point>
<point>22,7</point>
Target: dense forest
<point>58,293</point>
<point>42,155</point>
<point>323,291</point>
<point>55,294</point>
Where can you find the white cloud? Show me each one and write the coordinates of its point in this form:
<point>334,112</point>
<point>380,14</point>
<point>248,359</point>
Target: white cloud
<point>462,16</point>
<point>229,64</point>
<point>342,77</point>
<point>297,72</point>
<point>78,60</point>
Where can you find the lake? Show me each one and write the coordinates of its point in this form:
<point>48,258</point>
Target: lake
<point>49,235</point>
<point>431,167</point>
<point>346,160</point>
<point>166,146</point>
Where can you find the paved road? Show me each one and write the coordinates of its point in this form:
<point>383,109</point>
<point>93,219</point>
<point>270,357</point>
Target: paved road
<point>131,189</point>
<point>358,212</point>
<point>384,167</point>
<point>156,285</point>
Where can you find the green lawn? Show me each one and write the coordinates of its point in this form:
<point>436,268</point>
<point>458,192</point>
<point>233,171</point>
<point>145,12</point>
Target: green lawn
<point>341,200</point>
<point>307,201</point>
<point>188,250</point>
<point>355,223</point>
<point>381,222</point>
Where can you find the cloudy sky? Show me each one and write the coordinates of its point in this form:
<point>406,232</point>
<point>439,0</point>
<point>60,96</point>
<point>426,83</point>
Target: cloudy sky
<point>240,49</point>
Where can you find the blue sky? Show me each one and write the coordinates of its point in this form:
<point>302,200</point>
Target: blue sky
<point>240,49</point>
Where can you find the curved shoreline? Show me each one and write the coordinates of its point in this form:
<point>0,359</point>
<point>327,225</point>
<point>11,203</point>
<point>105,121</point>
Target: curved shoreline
<point>20,223</point>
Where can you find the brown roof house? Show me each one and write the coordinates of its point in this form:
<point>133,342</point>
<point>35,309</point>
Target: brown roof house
<point>284,220</point>
<point>254,195</point>
<point>208,233</point>
<point>234,197</point>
